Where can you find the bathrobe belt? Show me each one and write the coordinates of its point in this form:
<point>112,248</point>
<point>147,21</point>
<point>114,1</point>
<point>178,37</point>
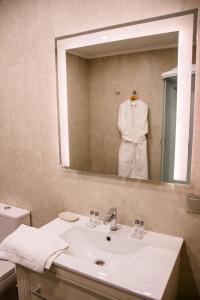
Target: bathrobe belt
<point>137,157</point>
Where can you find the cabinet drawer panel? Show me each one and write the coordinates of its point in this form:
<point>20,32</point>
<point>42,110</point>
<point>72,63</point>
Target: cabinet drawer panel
<point>52,288</point>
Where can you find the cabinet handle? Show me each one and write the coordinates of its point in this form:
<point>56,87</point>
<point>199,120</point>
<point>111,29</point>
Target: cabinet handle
<point>36,292</point>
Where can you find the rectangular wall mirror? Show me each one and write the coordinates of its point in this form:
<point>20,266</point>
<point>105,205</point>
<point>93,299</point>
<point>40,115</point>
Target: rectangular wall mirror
<point>126,99</point>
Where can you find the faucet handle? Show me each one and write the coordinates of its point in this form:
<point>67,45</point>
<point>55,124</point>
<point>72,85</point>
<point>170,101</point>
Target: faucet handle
<point>111,217</point>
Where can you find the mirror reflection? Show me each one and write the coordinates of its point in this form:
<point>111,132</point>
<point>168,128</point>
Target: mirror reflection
<point>125,100</point>
<point>116,105</point>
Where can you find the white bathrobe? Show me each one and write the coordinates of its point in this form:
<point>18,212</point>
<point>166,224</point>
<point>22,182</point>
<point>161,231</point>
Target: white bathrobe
<point>133,126</point>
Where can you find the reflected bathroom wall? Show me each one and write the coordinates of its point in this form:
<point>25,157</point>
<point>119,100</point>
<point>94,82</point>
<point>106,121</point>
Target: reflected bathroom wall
<point>78,105</point>
<point>136,71</point>
<point>94,106</point>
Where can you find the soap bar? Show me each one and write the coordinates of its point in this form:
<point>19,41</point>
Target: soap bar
<point>68,216</point>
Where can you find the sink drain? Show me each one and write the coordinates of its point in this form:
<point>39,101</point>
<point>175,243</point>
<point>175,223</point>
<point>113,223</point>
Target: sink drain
<point>99,262</point>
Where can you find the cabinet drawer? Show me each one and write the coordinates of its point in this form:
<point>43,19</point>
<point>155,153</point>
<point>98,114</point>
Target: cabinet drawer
<point>48,287</point>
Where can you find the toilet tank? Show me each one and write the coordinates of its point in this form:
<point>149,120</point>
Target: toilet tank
<point>11,217</point>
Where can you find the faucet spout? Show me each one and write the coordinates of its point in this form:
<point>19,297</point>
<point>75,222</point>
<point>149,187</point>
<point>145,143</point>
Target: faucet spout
<point>111,218</point>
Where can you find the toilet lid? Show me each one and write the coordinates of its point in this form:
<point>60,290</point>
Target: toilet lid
<point>6,269</point>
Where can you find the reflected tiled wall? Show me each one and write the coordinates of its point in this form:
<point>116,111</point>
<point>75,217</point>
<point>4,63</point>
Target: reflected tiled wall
<point>30,175</point>
<point>78,112</point>
<point>137,71</point>
<point>93,106</point>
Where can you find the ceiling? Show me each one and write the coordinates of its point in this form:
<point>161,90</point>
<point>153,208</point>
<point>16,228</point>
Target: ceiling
<point>147,43</point>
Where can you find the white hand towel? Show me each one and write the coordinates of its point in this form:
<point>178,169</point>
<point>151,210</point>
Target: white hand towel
<point>32,248</point>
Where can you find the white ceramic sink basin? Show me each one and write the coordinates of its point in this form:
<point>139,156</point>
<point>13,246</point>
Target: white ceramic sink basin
<point>111,252</point>
<point>86,243</point>
<point>142,267</point>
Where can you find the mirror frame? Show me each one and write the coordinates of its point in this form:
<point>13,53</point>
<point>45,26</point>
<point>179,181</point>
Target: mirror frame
<point>181,23</point>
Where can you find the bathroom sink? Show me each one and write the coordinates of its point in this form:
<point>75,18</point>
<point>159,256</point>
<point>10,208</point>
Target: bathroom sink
<point>105,249</point>
<point>91,241</point>
<point>141,267</point>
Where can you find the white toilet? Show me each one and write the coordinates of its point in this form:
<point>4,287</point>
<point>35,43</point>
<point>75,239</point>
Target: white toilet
<point>10,218</point>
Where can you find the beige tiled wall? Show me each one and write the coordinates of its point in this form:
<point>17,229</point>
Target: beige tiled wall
<point>29,156</point>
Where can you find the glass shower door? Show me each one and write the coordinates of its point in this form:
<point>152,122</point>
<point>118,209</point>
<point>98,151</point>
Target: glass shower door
<point>169,130</point>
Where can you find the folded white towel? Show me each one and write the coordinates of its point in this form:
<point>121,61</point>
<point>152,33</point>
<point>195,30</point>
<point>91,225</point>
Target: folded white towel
<point>32,248</point>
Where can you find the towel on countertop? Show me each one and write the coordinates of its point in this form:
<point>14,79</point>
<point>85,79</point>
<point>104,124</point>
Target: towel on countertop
<point>32,248</point>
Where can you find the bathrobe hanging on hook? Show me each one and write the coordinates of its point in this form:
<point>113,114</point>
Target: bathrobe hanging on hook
<point>133,126</point>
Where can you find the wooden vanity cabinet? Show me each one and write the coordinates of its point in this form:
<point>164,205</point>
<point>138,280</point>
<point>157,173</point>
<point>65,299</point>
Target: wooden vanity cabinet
<point>61,284</point>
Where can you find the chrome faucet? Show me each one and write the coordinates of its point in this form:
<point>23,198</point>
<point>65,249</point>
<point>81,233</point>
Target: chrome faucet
<point>112,218</point>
